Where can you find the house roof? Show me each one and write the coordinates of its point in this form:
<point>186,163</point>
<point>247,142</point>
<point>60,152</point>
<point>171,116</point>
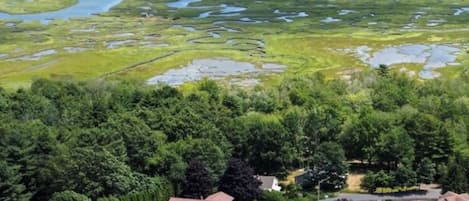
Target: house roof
<point>182,199</point>
<point>220,196</point>
<point>451,196</point>
<point>448,194</point>
<point>267,181</point>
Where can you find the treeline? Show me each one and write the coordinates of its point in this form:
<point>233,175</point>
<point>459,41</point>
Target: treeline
<point>105,139</point>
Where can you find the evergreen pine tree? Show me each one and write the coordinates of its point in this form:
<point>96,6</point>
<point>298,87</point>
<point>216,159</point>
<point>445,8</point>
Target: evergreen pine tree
<point>456,178</point>
<point>11,188</point>
<point>426,171</point>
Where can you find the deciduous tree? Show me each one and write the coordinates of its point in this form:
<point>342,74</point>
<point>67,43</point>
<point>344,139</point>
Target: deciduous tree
<point>239,181</point>
<point>198,183</point>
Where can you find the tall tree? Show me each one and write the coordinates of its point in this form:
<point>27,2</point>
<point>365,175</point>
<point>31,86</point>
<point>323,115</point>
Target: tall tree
<point>239,181</point>
<point>394,147</point>
<point>426,171</point>
<point>431,139</point>
<point>456,178</point>
<point>198,183</point>
<point>328,165</point>
<point>40,165</point>
<point>404,176</point>
<point>139,140</point>
<point>95,172</point>
<point>270,146</point>
<point>11,188</point>
<point>361,136</point>
<point>323,124</point>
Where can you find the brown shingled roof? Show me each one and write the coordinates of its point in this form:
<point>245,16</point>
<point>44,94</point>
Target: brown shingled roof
<point>182,199</point>
<point>220,196</point>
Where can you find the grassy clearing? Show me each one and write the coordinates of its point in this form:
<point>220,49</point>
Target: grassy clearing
<point>33,6</point>
<point>353,183</point>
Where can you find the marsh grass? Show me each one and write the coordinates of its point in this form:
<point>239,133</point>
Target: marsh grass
<point>305,45</point>
<point>33,6</point>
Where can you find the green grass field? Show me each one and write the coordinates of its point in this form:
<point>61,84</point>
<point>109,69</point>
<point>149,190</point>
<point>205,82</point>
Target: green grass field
<point>305,45</point>
<point>33,6</point>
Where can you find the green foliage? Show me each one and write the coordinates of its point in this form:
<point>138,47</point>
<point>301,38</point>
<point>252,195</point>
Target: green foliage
<point>361,136</point>
<point>197,182</point>
<point>11,188</point>
<point>368,182</point>
<point>137,136</point>
<point>96,173</point>
<point>239,182</point>
<point>404,176</point>
<point>432,139</point>
<point>426,171</point>
<point>108,140</point>
<point>395,146</point>
<point>69,196</point>
<point>456,178</point>
<point>269,146</point>
<point>373,181</point>
<point>329,166</point>
<point>161,191</point>
<point>383,70</point>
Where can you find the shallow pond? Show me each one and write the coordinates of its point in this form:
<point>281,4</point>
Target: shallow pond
<point>330,20</point>
<point>84,8</point>
<point>214,34</point>
<point>460,11</point>
<point>152,44</point>
<point>432,56</point>
<point>223,11</point>
<point>188,28</point>
<point>432,23</point>
<point>346,12</point>
<point>90,30</point>
<point>289,18</point>
<point>251,21</point>
<point>118,43</point>
<point>38,55</point>
<point>74,49</point>
<point>215,69</point>
<point>181,3</point>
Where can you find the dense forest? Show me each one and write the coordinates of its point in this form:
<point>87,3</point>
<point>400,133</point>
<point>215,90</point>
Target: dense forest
<point>111,140</point>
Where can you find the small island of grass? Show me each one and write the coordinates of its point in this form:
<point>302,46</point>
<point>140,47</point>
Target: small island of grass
<point>33,6</point>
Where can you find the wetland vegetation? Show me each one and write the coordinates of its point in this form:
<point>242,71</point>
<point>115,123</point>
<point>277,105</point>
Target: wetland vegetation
<point>34,6</point>
<point>117,100</point>
<point>140,39</point>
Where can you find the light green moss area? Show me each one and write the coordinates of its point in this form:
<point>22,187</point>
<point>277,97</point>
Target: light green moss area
<point>151,46</point>
<point>33,6</point>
